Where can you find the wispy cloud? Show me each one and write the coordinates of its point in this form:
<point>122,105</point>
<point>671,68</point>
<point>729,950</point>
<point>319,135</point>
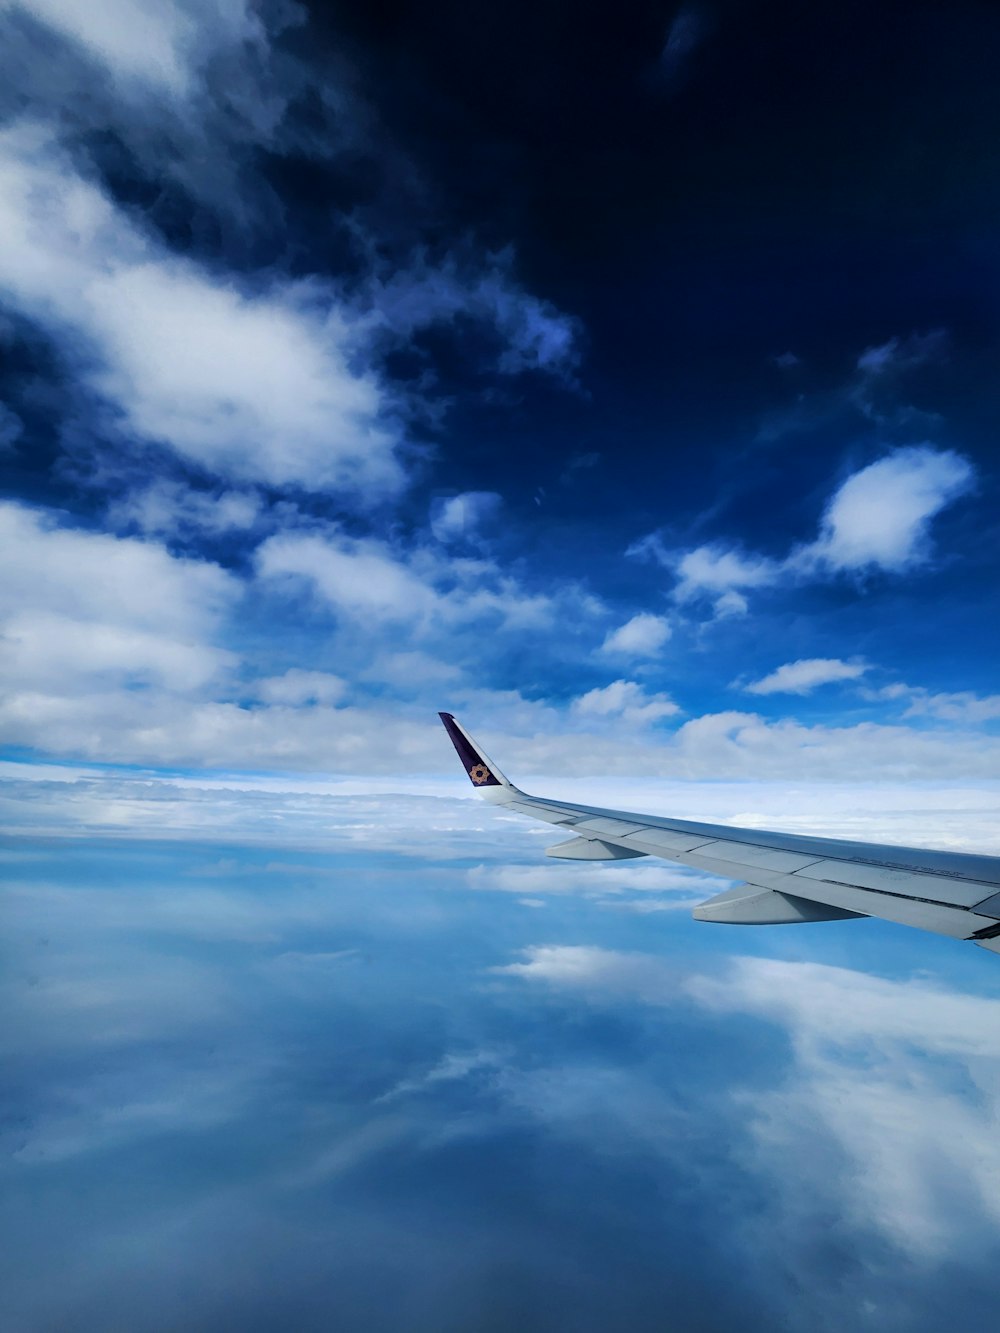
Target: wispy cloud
<point>961,706</point>
<point>806,675</point>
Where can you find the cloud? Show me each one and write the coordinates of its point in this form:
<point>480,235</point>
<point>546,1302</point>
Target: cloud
<point>591,969</point>
<point>297,687</point>
<point>718,569</point>
<point>873,392</point>
<point>642,636</point>
<point>596,881</point>
<point>961,706</point>
<point>881,1067</point>
<point>902,354</point>
<point>880,516</point>
<point>11,428</point>
<point>806,675</point>
<point>690,27</point>
<point>453,1067</point>
<point>171,508</point>
<point>461,518</point>
<point>885,1117</point>
<point>367,580</point>
<point>134,40</point>
<point>730,605</point>
<point>102,635</point>
<point>533,334</point>
<point>254,384</point>
<point>878,519</point>
<point>93,579</point>
<point>625,701</point>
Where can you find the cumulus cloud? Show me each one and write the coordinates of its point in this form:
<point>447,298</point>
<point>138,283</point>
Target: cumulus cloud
<point>81,606</point>
<point>878,519</point>
<point>367,579</point>
<point>806,675</point>
<point>642,636</point>
<point>625,701</point>
<point>257,385</point>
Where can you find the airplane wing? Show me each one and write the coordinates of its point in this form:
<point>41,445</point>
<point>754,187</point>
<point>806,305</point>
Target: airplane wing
<point>786,877</point>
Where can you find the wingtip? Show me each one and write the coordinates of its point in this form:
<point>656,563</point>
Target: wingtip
<point>481,770</point>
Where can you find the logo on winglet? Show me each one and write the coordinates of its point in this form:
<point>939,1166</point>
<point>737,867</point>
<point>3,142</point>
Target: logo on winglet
<point>479,774</point>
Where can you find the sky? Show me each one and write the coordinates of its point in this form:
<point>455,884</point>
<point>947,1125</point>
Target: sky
<point>622,381</point>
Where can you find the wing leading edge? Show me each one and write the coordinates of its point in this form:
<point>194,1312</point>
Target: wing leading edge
<point>786,877</point>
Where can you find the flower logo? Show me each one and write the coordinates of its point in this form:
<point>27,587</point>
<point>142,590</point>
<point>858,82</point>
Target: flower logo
<point>479,774</point>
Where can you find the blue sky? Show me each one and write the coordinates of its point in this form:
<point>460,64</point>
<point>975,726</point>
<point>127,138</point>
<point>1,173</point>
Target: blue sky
<point>624,383</point>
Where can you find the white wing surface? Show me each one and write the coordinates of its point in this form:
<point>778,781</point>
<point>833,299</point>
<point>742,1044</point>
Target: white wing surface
<point>786,877</point>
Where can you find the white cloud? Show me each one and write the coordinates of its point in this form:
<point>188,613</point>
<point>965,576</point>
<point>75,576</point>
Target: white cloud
<point>595,880</point>
<point>462,517</point>
<point>356,577</point>
<point>895,1081</point>
<point>805,675</point>
<point>367,580</point>
<point>961,706</point>
<point>642,636</point>
<point>96,578</point>
<point>879,517</point>
<point>133,39</point>
<point>730,605</point>
<point>297,687</point>
<point>256,386</point>
<point>166,508</point>
<point>881,1068</point>
<point>158,45</point>
<point>91,621</point>
<point>716,569</point>
<point>411,672</point>
<point>451,1068</point>
<point>626,701</point>
<point>60,653</point>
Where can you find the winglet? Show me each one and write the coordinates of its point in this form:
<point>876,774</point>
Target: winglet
<point>481,769</point>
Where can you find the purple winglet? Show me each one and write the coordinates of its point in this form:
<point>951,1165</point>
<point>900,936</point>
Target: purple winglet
<point>473,763</point>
